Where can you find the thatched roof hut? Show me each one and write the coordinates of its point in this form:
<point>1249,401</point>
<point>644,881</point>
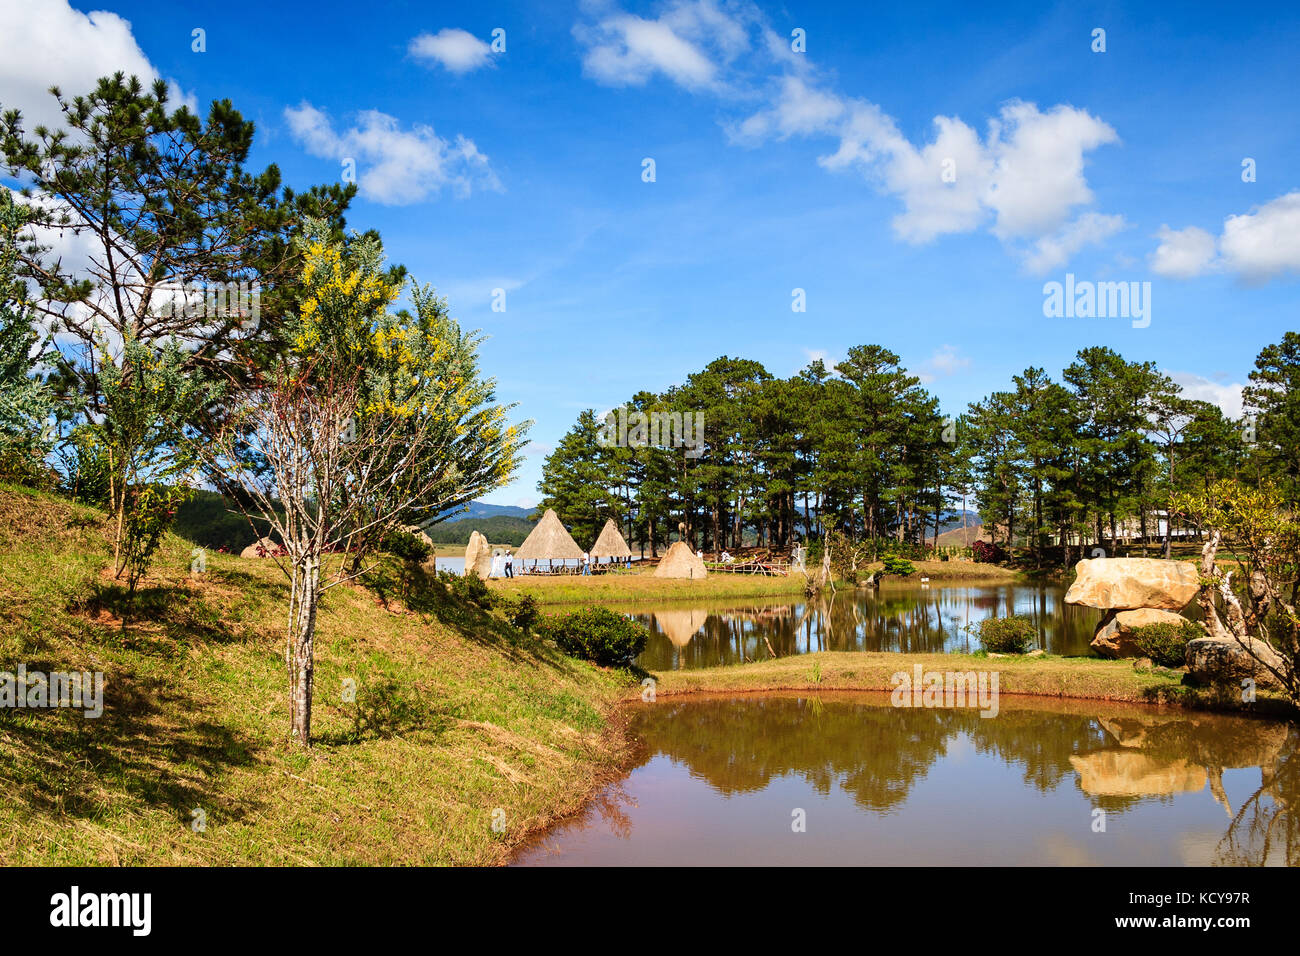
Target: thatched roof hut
<point>681,562</point>
<point>611,543</point>
<point>548,541</point>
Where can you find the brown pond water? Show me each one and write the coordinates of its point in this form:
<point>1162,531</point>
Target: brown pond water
<point>896,617</point>
<point>722,780</point>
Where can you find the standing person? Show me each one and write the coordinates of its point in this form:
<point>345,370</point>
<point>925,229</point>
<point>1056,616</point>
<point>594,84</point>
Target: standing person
<point>586,563</point>
<point>510,565</point>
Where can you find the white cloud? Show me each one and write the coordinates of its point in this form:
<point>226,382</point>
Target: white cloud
<point>1259,245</point>
<point>1024,179</point>
<point>49,43</point>
<point>1051,252</point>
<point>798,110</point>
<point>457,50</point>
<point>1038,176</point>
<point>1264,243</point>
<point>1183,253</point>
<point>1200,388</point>
<point>690,42</point>
<point>946,361</point>
<point>1027,173</point>
<point>396,167</point>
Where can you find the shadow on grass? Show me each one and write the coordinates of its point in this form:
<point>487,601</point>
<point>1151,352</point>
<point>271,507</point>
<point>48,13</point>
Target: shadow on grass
<point>468,615</point>
<point>155,620</point>
<point>152,748</point>
<point>387,708</point>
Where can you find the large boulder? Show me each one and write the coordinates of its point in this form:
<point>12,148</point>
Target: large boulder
<point>1215,660</point>
<point>478,556</point>
<point>420,533</point>
<point>1115,638</point>
<point>1118,584</point>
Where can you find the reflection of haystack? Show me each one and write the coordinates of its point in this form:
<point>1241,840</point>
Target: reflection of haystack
<point>680,562</point>
<point>680,626</point>
<point>1126,773</point>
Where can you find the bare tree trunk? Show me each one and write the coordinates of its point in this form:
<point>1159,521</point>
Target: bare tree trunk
<point>302,638</point>
<point>1205,597</point>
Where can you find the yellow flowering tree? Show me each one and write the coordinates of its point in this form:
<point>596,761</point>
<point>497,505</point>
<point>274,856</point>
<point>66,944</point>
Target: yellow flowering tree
<point>370,419</point>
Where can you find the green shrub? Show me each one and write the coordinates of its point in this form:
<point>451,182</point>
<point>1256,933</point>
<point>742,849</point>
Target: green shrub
<point>888,548</point>
<point>1007,635</point>
<point>469,589</point>
<point>522,613</point>
<point>599,635</point>
<point>408,546</point>
<point>1166,643</point>
<point>899,566</point>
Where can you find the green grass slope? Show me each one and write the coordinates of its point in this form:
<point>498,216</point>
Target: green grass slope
<point>457,715</point>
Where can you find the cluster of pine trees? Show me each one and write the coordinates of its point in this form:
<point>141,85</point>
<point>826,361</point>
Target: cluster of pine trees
<point>1054,466</point>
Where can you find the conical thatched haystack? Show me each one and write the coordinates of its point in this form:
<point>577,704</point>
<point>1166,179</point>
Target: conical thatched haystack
<point>610,544</point>
<point>478,556</point>
<point>548,541</point>
<point>681,562</point>
<point>680,626</point>
<point>262,548</point>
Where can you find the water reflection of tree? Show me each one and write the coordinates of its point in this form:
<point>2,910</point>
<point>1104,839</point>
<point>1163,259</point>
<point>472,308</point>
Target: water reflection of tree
<point>1040,742</point>
<point>910,619</point>
<point>876,754</point>
<point>873,753</point>
<point>1266,828</point>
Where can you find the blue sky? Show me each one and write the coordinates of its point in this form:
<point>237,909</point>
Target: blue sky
<point>774,170</point>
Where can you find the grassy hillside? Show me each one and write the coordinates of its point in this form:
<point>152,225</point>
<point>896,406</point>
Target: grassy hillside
<point>457,715</point>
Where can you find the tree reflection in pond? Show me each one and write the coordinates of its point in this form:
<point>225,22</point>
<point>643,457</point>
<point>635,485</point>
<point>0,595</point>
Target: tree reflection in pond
<point>718,777</point>
<point>897,617</point>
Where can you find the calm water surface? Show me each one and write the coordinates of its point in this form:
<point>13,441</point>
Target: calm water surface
<point>895,617</point>
<point>719,781</point>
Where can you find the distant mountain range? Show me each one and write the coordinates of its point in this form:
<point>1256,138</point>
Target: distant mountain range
<point>481,509</point>
<point>973,520</point>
